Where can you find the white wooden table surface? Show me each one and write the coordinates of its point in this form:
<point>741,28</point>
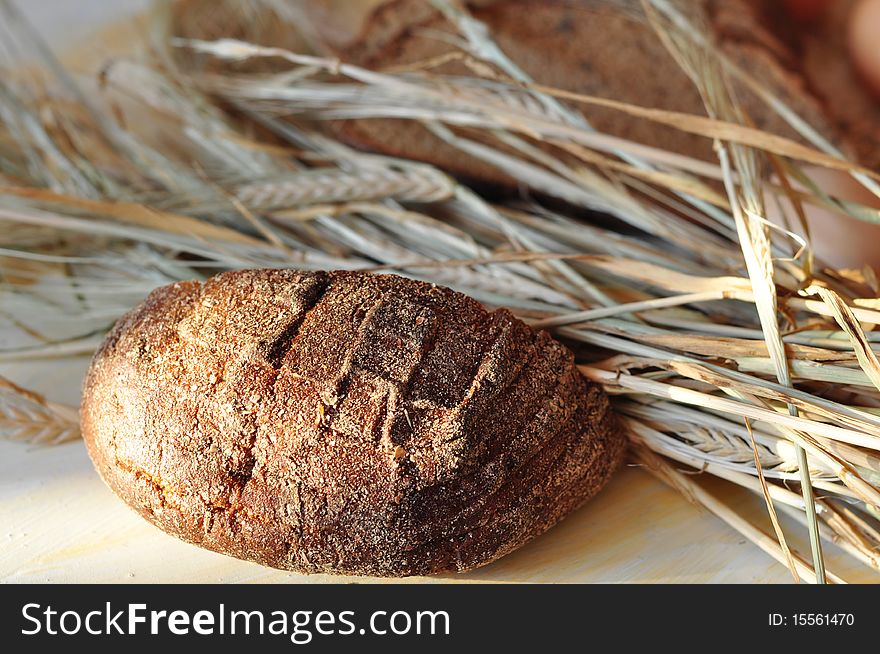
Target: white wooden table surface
<point>59,523</point>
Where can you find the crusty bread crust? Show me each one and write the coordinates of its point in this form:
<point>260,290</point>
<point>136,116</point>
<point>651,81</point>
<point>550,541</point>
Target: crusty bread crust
<point>596,47</point>
<point>343,422</point>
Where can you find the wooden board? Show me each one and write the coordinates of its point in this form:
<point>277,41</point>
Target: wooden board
<point>59,523</point>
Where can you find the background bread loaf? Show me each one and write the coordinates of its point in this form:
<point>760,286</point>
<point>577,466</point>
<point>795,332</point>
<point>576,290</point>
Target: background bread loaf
<point>343,422</point>
<point>607,49</point>
<point>604,48</point>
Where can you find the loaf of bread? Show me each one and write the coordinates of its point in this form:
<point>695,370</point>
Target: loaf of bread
<point>606,48</point>
<point>343,422</point>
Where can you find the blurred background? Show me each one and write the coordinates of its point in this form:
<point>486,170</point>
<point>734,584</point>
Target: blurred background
<point>67,22</point>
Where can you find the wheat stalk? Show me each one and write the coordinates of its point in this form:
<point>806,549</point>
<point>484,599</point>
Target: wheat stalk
<point>26,416</point>
<point>666,473</point>
<point>315,187</point>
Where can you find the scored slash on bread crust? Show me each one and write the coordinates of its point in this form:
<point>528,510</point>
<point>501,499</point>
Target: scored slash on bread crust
<point>343,422</point>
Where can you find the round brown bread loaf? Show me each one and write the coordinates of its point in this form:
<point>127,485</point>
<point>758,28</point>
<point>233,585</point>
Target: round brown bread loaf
<point>343,422</point>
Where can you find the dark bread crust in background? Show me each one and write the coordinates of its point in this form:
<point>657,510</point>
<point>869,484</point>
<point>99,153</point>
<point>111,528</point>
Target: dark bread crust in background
<point>598,47</point>
<point>832,75</point>
<point>343,422</point>
<point>601,47</point>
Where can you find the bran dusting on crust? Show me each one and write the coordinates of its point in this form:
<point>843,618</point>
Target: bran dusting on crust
<point>343,422</point>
